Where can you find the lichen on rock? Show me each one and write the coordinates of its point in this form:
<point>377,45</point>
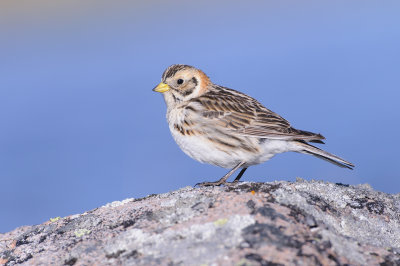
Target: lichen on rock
<point>278,223</point>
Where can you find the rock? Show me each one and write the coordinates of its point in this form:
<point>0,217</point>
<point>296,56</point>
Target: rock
<point>279,223</point>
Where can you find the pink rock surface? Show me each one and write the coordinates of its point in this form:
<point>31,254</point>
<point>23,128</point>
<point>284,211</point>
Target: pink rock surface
<point>279,223</point>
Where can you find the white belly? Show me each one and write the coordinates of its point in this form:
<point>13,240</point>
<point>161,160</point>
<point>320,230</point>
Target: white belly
<point>200,148</point>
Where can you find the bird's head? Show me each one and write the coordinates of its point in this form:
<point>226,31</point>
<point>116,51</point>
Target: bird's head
<point>181,83</point>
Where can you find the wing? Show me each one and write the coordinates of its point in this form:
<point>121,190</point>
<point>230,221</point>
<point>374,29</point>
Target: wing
<point>245,116</point>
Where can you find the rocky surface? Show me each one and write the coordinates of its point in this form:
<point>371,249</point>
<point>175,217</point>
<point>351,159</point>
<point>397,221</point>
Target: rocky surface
<point>279,223</point>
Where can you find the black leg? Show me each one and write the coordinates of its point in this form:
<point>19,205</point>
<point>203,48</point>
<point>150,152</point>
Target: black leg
<point>239,175</point>
<point>223,179</point>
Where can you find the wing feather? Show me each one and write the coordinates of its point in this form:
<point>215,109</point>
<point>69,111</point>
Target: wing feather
<point>243,115</point>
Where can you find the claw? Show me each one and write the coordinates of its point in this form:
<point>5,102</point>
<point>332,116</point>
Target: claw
<point>223,179</point>
<point>209,184</point>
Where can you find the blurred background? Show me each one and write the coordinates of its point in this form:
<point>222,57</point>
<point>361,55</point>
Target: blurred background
<point>80,126</point>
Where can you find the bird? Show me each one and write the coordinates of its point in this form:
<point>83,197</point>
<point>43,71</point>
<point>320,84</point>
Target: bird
<point>227,128</point>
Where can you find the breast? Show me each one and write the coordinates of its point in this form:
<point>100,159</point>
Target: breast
<point>176,115</point>
<point>213,147</point>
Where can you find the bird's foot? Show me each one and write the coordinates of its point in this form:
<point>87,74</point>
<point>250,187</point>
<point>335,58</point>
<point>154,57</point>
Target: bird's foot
<point>216,183</point>
<point>209,184</point>
<point>233,183</point>
<point>223,179</point>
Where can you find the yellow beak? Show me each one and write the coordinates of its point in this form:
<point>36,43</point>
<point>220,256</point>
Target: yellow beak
<point>162,87</point>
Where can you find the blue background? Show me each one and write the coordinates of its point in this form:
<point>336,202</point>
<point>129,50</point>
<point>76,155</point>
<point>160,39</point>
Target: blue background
<point>80,126</point>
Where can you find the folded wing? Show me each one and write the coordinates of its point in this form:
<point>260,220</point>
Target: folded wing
<point>245,116</point>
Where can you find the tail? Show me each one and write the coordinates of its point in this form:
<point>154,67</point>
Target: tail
<point>310,149</point>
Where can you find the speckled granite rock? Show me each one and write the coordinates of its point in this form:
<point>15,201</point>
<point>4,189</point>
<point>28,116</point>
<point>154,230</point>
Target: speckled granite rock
<point>279,223</point>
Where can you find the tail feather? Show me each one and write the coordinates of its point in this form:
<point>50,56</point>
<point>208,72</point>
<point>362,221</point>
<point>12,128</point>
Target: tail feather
<point>317,152</point>
<point>317,141</point>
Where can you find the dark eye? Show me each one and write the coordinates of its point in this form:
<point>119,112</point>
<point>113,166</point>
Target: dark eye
<point>180,81</point>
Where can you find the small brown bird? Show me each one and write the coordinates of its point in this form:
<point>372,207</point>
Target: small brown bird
<point>223,127</point>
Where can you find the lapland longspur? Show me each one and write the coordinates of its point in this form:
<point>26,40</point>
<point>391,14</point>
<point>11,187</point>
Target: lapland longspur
<point>223,127</point>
